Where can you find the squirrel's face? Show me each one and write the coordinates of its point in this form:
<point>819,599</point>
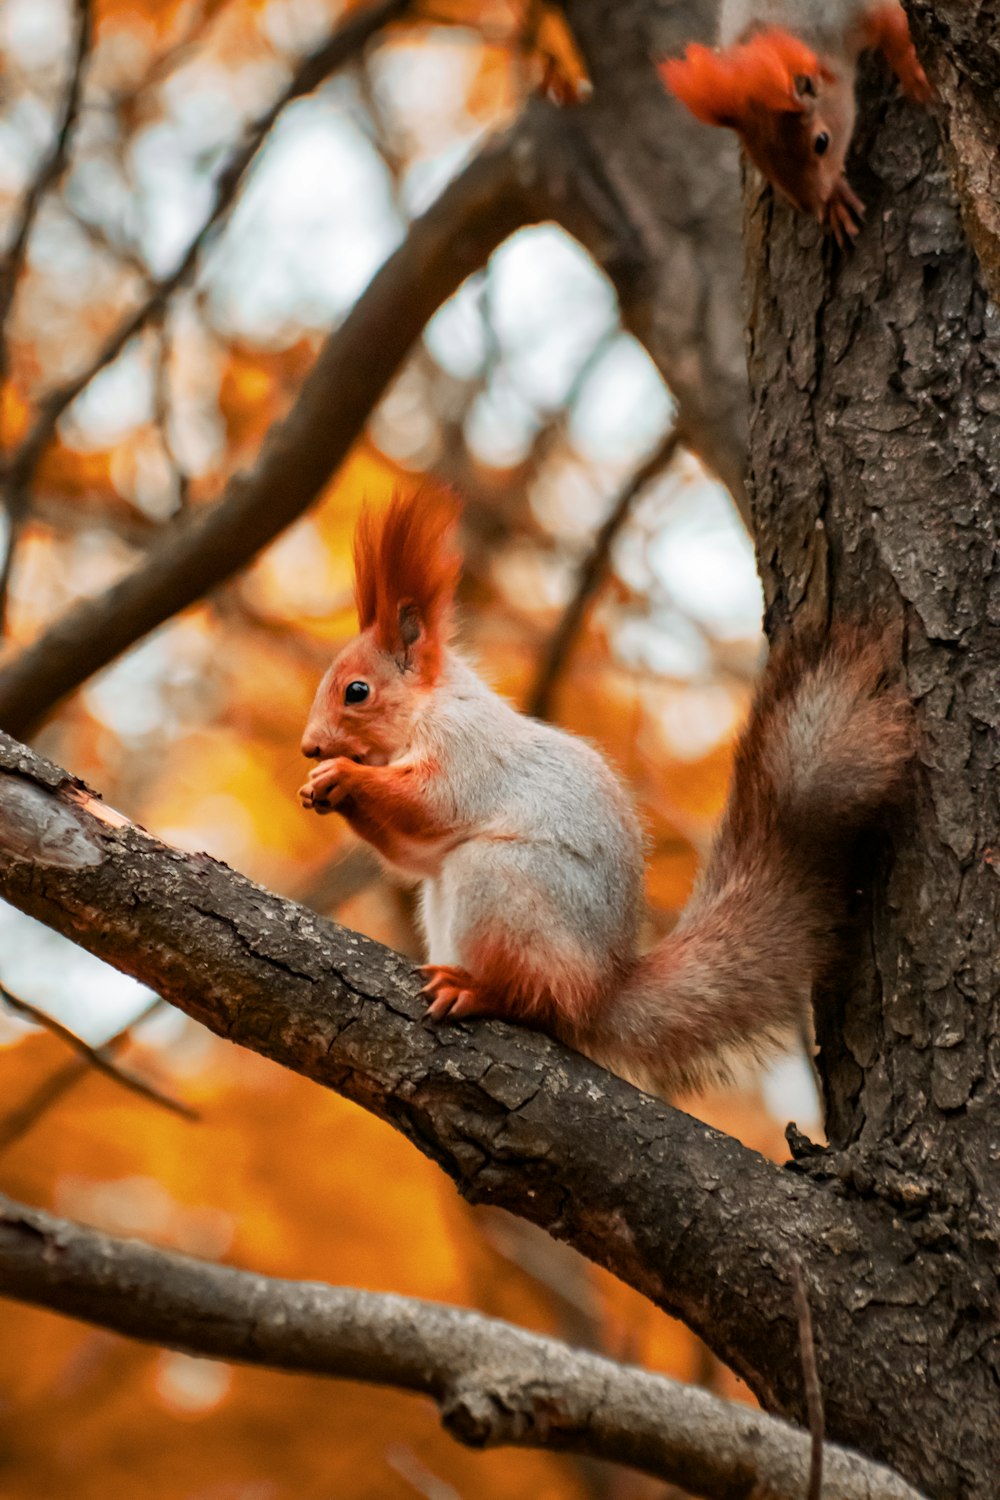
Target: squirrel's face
<point>364,707</point>
<point>802,152</point>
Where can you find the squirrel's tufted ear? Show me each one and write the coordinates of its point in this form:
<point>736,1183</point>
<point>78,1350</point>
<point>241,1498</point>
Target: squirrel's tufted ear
<point>405,575</point>
<point>702,81</point>
<point>773,71</point>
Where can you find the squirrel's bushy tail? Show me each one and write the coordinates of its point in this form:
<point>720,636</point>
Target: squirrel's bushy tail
<point>825,749</point>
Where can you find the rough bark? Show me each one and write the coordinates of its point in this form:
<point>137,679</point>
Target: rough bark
<point>960,45</point>
<point>875,466</point>
<point>493,1384</point>
<point>701,1225</point>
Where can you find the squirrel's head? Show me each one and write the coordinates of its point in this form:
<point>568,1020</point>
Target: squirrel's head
<point>405,575</point>
<point>794,116</point>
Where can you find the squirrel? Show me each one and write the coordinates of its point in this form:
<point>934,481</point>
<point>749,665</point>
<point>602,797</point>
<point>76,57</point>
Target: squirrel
<point>783,79</point>
<point>529,851</point>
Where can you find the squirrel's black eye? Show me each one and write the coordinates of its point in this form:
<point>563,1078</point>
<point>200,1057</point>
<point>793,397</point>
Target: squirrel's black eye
<point>821,143</point>
<point>356,692</point>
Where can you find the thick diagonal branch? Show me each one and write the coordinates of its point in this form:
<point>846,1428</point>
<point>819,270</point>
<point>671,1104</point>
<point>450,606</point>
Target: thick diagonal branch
<point>494,1384</point>
<point>700,1224</point>
<point>484,204</point>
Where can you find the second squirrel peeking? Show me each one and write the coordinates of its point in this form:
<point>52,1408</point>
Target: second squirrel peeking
<point>529,852</point>
<point>783,79</point>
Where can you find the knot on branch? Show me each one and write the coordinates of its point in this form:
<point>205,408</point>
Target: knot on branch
<point>484,1410</point>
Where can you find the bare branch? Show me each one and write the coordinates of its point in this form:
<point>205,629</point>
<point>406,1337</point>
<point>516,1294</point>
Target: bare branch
<point>339,48</point>
<point>47,175</point>
<point>810,1381</point>
<point>163,413</point>
<point>494,1384</point>
<point>96,1057</point>
<point>692,1219</point>
<point>592,575</point>
<point>58,1084</point>
<point>49,172</point>
<point>489,200</point>
<point>98,235</point>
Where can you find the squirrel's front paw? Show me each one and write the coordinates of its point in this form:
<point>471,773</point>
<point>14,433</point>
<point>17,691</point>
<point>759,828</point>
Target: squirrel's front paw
<point>327,785</point>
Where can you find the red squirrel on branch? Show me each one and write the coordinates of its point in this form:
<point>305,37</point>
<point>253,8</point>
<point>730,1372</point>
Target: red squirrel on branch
<point>783,79</point>
<point>529,851</point>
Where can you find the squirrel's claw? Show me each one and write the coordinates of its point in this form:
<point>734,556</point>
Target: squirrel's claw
<point>844,213</point>
<point>326,786</point>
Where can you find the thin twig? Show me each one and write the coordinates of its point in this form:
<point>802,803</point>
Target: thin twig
<point>63,1080</point>
<point>98,236</point>
<point>810,1381</point>
<point>345,42</point>
<point>163,412</point>
<point>96,1057</point>
<point>592,575</point>
<point>48,174</point>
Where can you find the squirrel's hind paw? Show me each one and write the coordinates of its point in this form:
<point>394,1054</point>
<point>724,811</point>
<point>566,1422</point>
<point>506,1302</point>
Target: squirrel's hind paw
<point>453,994</point>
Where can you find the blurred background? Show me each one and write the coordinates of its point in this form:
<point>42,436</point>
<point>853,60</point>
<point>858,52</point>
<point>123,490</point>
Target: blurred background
<point>527,396</point>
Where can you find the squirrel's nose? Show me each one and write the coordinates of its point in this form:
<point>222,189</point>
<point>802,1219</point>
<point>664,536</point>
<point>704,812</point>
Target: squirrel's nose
<point>311,749</point>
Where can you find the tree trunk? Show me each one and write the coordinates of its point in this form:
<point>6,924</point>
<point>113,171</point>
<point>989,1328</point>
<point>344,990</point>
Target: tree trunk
<point>875,469</point>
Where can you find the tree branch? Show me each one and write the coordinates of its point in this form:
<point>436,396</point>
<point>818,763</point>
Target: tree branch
<point>494,1384</point>
<point>549,166</point>
<point>695,1221</point>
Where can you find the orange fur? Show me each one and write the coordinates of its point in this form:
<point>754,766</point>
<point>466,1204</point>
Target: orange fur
<point>403,559</point>
<point>722,88</point>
